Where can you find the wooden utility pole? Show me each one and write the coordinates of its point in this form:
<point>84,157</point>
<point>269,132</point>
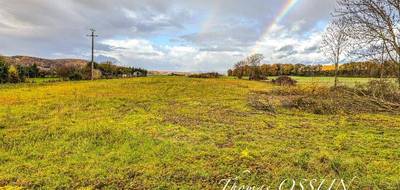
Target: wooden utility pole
<point>92,62</point>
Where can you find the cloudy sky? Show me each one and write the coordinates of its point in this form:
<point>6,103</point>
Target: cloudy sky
<point>170,35</point>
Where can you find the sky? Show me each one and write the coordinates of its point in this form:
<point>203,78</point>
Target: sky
<point>167,35</point>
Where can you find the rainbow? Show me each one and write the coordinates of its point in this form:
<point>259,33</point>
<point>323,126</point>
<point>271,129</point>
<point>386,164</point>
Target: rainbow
<point>213,13</point>
<point>289,5</point>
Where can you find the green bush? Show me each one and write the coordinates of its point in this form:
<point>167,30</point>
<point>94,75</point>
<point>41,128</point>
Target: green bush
<point>22,72</point>
<point>76,75</point>
<point>3,71</point>
<point>13,75</point>
<point>33,71</point>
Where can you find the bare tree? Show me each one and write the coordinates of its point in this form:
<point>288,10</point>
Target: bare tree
<point>374,21</point>
<point>335,43</point>
<point>250,64</point>
<point>254,62</point>
<point>379,55</point>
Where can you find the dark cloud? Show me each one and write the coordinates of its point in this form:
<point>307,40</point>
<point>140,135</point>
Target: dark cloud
<point>287,50</point>
<point>312,49</point>
<point>221,49</point>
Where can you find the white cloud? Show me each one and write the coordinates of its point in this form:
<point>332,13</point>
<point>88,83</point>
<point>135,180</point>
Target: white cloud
<point>282,46</point>
<point>184,35</point>
<point>143,53</point>
<point>278,47</point>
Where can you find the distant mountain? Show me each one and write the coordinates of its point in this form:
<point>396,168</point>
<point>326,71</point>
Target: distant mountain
<point>44,64</point>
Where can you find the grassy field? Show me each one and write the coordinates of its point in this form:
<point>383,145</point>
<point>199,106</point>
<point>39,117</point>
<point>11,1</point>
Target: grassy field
<point>177,132</point>
<point>43,80</point>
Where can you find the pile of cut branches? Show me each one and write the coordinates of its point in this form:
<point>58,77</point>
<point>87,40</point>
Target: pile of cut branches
<point>284,81</point>
<point>373,97</point>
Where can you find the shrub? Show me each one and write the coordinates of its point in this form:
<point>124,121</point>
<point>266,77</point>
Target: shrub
<point>4,67</point>
<point>33,71</point>
<point>22,72</point>
<point>76,75</point>
<point>65,71</point>
<point>13,75</point>
<point>86,72</point>
<point>256,74</point>
<point>176,75</point>
<point>258,77</point>
<point>205,75</point>
<point>284,81</point>
<point>97,74</point>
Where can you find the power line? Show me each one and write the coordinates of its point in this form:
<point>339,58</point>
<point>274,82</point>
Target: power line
<point>93,36</point>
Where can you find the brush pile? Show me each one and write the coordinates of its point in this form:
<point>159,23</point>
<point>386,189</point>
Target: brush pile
<point>284,81</point>
<point>374,97</point>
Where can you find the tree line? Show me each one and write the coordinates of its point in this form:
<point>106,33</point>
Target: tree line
<point>353,69</point>
<point>106,70</point>
<point>12,73</point>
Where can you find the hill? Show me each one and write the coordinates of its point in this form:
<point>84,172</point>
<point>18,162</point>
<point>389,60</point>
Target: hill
<point>44,64</point>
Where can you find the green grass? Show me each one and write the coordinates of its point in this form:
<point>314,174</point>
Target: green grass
<point>43,80</point>
<point>177,132</point>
